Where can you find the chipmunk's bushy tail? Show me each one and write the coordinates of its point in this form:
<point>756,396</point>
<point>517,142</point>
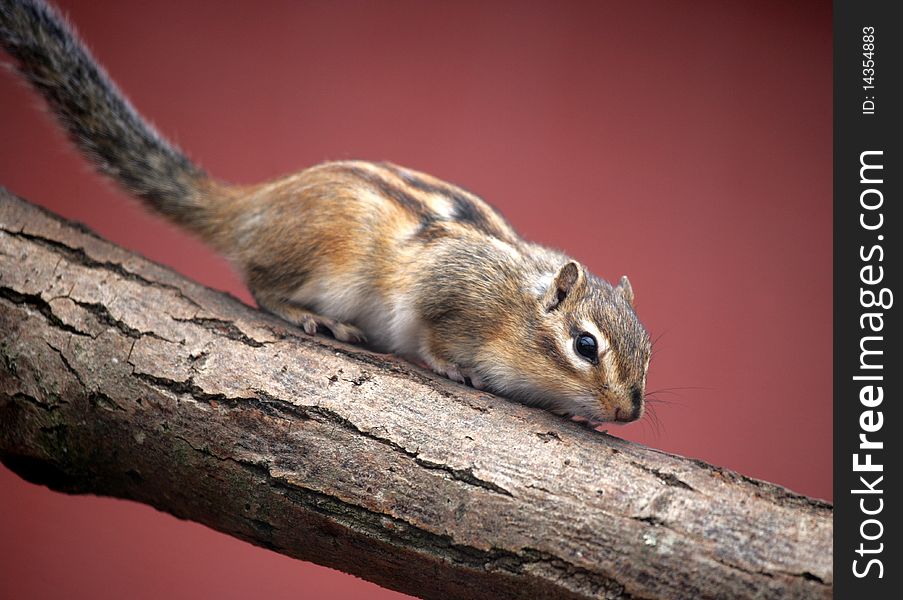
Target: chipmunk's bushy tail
<point>97,116</point>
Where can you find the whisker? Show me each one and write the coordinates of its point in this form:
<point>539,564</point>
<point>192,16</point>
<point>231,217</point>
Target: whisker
<point>661,401</point>
<point>654,392</point>
<point>670,389</point>
<point>658,337</point>
<point>654,422</point>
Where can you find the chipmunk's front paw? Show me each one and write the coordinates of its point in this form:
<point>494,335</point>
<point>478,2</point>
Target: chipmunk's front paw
<point>473,379</point>
<point>453,373</point>
<point>444,368</point>
<point>456,373</point>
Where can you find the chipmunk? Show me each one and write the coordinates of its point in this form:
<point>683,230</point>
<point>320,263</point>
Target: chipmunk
<point>366,251</point>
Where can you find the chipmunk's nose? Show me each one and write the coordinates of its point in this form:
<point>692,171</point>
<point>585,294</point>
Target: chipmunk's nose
<point>635,394</point>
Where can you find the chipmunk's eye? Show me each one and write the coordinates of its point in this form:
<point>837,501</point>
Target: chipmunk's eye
<point>586,346</point>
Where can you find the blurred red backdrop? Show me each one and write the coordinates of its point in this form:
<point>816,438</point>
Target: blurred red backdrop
<point>685,144</point>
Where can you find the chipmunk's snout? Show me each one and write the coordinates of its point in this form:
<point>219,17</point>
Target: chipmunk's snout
<point>634,406</point>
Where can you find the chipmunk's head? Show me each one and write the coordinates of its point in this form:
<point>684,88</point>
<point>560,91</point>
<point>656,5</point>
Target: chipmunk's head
<point>595,353</point>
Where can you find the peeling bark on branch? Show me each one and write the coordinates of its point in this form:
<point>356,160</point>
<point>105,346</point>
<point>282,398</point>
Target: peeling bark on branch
<point>119,377</point>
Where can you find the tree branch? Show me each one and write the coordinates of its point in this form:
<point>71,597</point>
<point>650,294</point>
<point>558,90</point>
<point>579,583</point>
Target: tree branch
<point>119,377</point>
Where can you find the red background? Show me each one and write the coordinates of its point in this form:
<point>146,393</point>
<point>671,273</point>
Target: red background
<point>686,144</point>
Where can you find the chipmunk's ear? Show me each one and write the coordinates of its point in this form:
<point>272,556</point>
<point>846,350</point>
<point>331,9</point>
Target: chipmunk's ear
<point>625,289</point>
<point>563,284</point>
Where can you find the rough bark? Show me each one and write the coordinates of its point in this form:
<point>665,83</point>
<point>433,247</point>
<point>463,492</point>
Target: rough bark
<point>119,377</point>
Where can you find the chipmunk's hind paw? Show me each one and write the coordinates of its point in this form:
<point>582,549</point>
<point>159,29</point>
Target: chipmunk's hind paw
<point>312,323</point>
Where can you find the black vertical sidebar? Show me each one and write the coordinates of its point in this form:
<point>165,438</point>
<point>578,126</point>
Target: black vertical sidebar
<point>868,167</point>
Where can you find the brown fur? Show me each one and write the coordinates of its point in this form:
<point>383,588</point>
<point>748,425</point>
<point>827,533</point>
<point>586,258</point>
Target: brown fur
<point>411,263</point>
